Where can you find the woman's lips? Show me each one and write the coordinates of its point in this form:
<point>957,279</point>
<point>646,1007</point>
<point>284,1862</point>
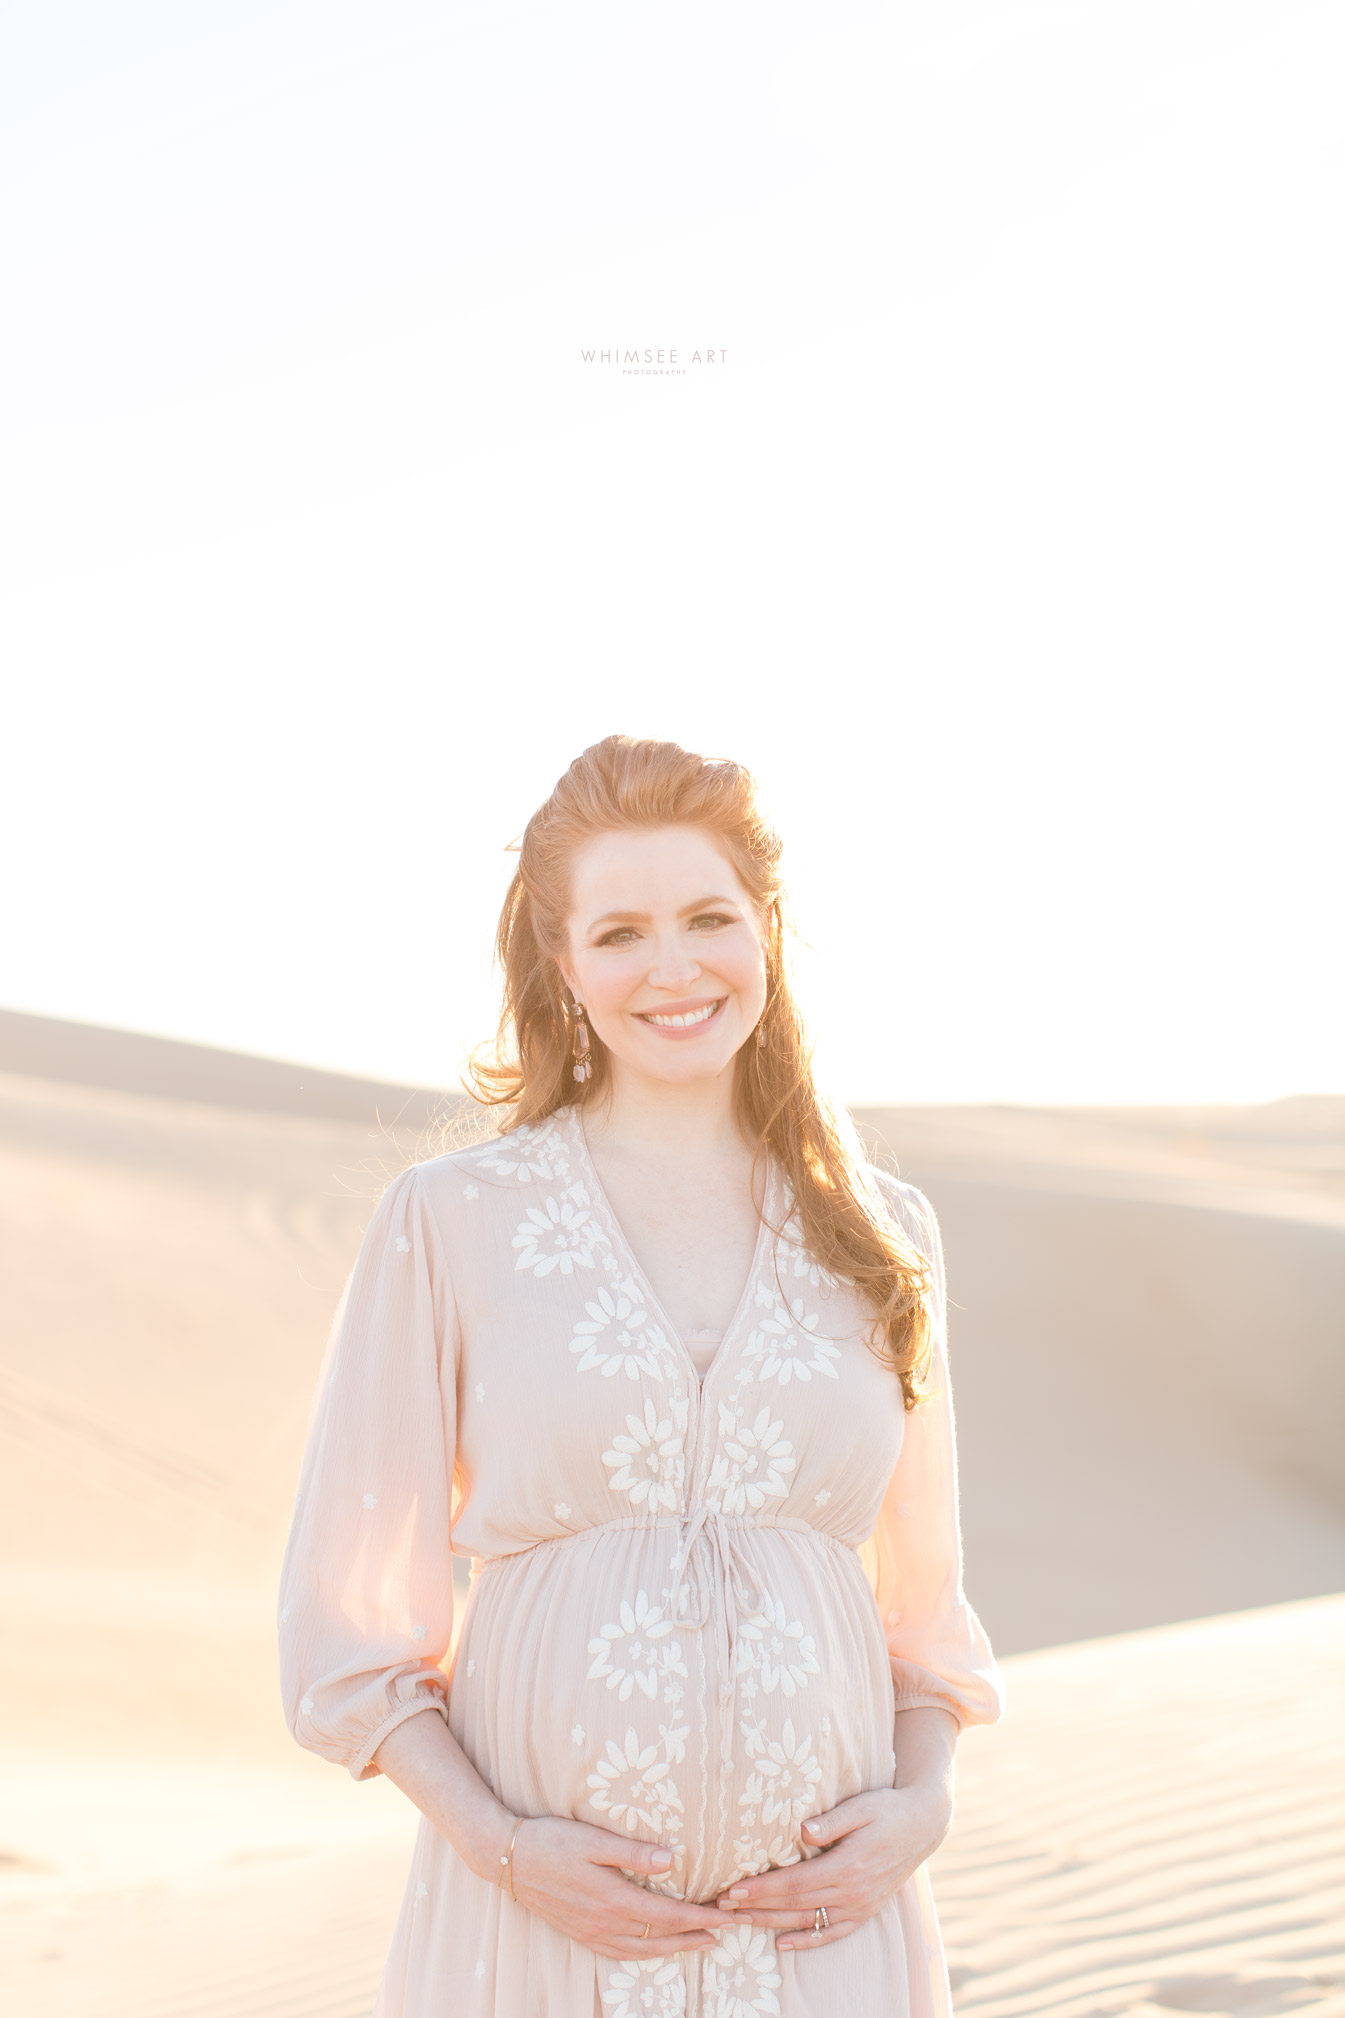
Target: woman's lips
<point>682,1022</point>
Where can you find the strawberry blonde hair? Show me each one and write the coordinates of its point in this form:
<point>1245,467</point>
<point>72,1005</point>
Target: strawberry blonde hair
<point>625,782</point>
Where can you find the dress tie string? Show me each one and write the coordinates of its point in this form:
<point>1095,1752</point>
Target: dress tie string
<point>740,1593</point>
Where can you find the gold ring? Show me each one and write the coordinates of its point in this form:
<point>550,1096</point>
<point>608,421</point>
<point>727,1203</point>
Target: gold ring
<point>647,1925</point>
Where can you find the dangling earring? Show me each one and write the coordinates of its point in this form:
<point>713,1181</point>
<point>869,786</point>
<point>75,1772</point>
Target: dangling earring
<point>583,1062</point>
<point>761,1035</point>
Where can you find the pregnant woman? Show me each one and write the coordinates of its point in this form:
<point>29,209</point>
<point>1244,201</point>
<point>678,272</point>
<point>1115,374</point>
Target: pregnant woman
<point>666,1358</point>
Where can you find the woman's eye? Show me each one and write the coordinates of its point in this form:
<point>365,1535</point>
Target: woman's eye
<point>623,935</point>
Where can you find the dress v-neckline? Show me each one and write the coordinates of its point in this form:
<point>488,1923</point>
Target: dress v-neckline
<point>695,1342</point>
<point>765,1232</point>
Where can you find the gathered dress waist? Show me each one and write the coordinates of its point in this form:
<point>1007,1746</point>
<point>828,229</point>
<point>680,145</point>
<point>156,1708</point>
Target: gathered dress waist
<point>733,1580</point>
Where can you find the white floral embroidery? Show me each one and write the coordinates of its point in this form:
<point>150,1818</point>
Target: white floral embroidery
<point>307,1706</point>
<point>422,1889</point>
<point>826,1726</point>
<point>751,1463</point>
<point>778,1793</point>
<point>284,1615</point>
<point>535,1150</point>
<point>616,1335</point>
<point>764,1853</point>
<point>739,1976</point>
<point>653,1989</point>
<point>806,1269</point>
<point>577,1734</point>
<point>560,1234</point>
<point>419,1632</point>
<point>632,1785</point>
<point>480,1968</point>
<point>471,1190</point>
<point>648,1465</point>
<point>637,1651</point>
<point>561,1511</point>
<point>821,1498</point>
<point>480,1391</point>
<point>471,1668</point>
<point>403,1244</point>
<point>370,1501</point>
<point>787,1346</point>
<point>777,1649</point>
<point>674,1738</point>
<point>802,1265</point>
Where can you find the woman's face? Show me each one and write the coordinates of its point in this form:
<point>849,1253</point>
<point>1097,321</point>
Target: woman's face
<point>666,951</point>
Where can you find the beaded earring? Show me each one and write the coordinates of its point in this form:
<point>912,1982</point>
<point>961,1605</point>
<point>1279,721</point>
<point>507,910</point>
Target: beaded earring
<point>583,1061</point>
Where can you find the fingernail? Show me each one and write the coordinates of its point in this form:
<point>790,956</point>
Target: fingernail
<point>662,1858</point>
<point>737,1892</point>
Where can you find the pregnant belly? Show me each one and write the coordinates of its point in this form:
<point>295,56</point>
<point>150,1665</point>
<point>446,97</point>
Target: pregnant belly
<point>712,1711</point>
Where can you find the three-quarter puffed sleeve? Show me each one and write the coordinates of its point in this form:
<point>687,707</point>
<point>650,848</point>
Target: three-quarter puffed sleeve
<point>366,1598</point>
<point>938,1647</point>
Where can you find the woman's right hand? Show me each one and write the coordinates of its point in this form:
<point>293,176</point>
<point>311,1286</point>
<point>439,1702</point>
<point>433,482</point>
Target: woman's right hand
<point>571,1874</point>
<point>568,1872</point>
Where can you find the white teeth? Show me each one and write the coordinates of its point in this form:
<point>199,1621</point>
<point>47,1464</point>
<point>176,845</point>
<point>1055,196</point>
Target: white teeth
<point>681,1022</point>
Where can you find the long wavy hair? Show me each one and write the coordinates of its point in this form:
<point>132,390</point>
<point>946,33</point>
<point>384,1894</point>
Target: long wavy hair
<point>627,782</point>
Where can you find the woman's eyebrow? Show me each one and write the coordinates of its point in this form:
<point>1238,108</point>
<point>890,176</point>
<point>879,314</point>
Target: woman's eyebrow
<point>642,917</point>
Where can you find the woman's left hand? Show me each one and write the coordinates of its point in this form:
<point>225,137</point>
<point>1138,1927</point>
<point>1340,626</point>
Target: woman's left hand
<point>877,1840</point>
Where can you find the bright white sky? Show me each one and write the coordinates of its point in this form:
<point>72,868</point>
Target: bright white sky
<point>1005,546</point>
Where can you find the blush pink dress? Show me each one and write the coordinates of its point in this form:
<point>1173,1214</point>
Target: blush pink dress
<point>703,1583</point>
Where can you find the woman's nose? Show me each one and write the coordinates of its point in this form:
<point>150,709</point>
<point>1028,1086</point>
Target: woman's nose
<point>673,966</point>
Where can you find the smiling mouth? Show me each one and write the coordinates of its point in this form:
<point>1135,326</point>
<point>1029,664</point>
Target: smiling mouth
<point>687,1020</point>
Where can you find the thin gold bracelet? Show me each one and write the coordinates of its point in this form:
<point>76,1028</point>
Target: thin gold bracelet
<point>507,1859</point>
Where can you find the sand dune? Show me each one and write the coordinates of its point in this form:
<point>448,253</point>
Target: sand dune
<point>1149,1388</point>
<point>1148,1358</point>
<point>165,1068</point>
<point>1158,1826</point>
<point>1285,1159</point>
